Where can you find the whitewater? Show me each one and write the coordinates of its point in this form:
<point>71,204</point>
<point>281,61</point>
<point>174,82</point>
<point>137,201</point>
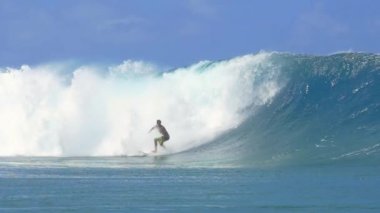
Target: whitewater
<point>49,110</point>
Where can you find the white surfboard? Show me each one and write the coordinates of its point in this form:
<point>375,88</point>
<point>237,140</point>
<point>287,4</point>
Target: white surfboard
<point>146,153</point>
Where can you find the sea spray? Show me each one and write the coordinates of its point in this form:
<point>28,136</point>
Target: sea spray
<point>97,112</point>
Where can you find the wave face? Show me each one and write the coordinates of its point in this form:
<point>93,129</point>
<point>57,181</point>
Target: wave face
<point>268,108</point>
<point>327,112</point>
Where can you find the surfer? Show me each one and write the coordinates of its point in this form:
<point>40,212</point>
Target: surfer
<point>164,135</point>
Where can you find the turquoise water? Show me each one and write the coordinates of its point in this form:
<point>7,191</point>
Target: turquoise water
<point>113,185</point>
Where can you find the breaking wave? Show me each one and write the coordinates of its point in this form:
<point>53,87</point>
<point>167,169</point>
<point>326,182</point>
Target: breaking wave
<point>267,108</point>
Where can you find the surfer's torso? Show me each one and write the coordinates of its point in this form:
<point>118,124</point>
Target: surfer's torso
<point>163,131</point>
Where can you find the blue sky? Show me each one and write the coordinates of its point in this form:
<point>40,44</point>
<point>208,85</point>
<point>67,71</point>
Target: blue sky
<point>181,32</point>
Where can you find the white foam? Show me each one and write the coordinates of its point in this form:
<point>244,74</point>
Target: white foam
<point>109,112</point>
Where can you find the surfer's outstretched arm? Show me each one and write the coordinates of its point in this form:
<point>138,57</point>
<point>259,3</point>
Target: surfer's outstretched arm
<point>151,129</point>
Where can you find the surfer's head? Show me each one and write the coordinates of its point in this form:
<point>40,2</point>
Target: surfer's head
<point>158,122</point>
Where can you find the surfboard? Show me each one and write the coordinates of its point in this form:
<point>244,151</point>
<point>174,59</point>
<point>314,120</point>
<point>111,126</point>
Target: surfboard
<point>139,154</point>
<point>143,153</point>
<point>149,153</point>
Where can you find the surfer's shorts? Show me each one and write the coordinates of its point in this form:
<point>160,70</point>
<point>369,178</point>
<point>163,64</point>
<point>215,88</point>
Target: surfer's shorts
<point>161,140</point>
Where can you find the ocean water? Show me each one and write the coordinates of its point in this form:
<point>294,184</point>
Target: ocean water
<point>111,185</point>
<point>269,132</point>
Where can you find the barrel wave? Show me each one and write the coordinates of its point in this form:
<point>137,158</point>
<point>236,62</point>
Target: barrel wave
<point>252,110</point>
<point>327,112</point>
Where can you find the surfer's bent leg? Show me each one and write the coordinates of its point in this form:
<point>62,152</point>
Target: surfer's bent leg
<point>155,144</point>
<point>160,141</point>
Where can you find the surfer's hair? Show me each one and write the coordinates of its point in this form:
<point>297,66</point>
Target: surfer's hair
<point>158,121</point>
